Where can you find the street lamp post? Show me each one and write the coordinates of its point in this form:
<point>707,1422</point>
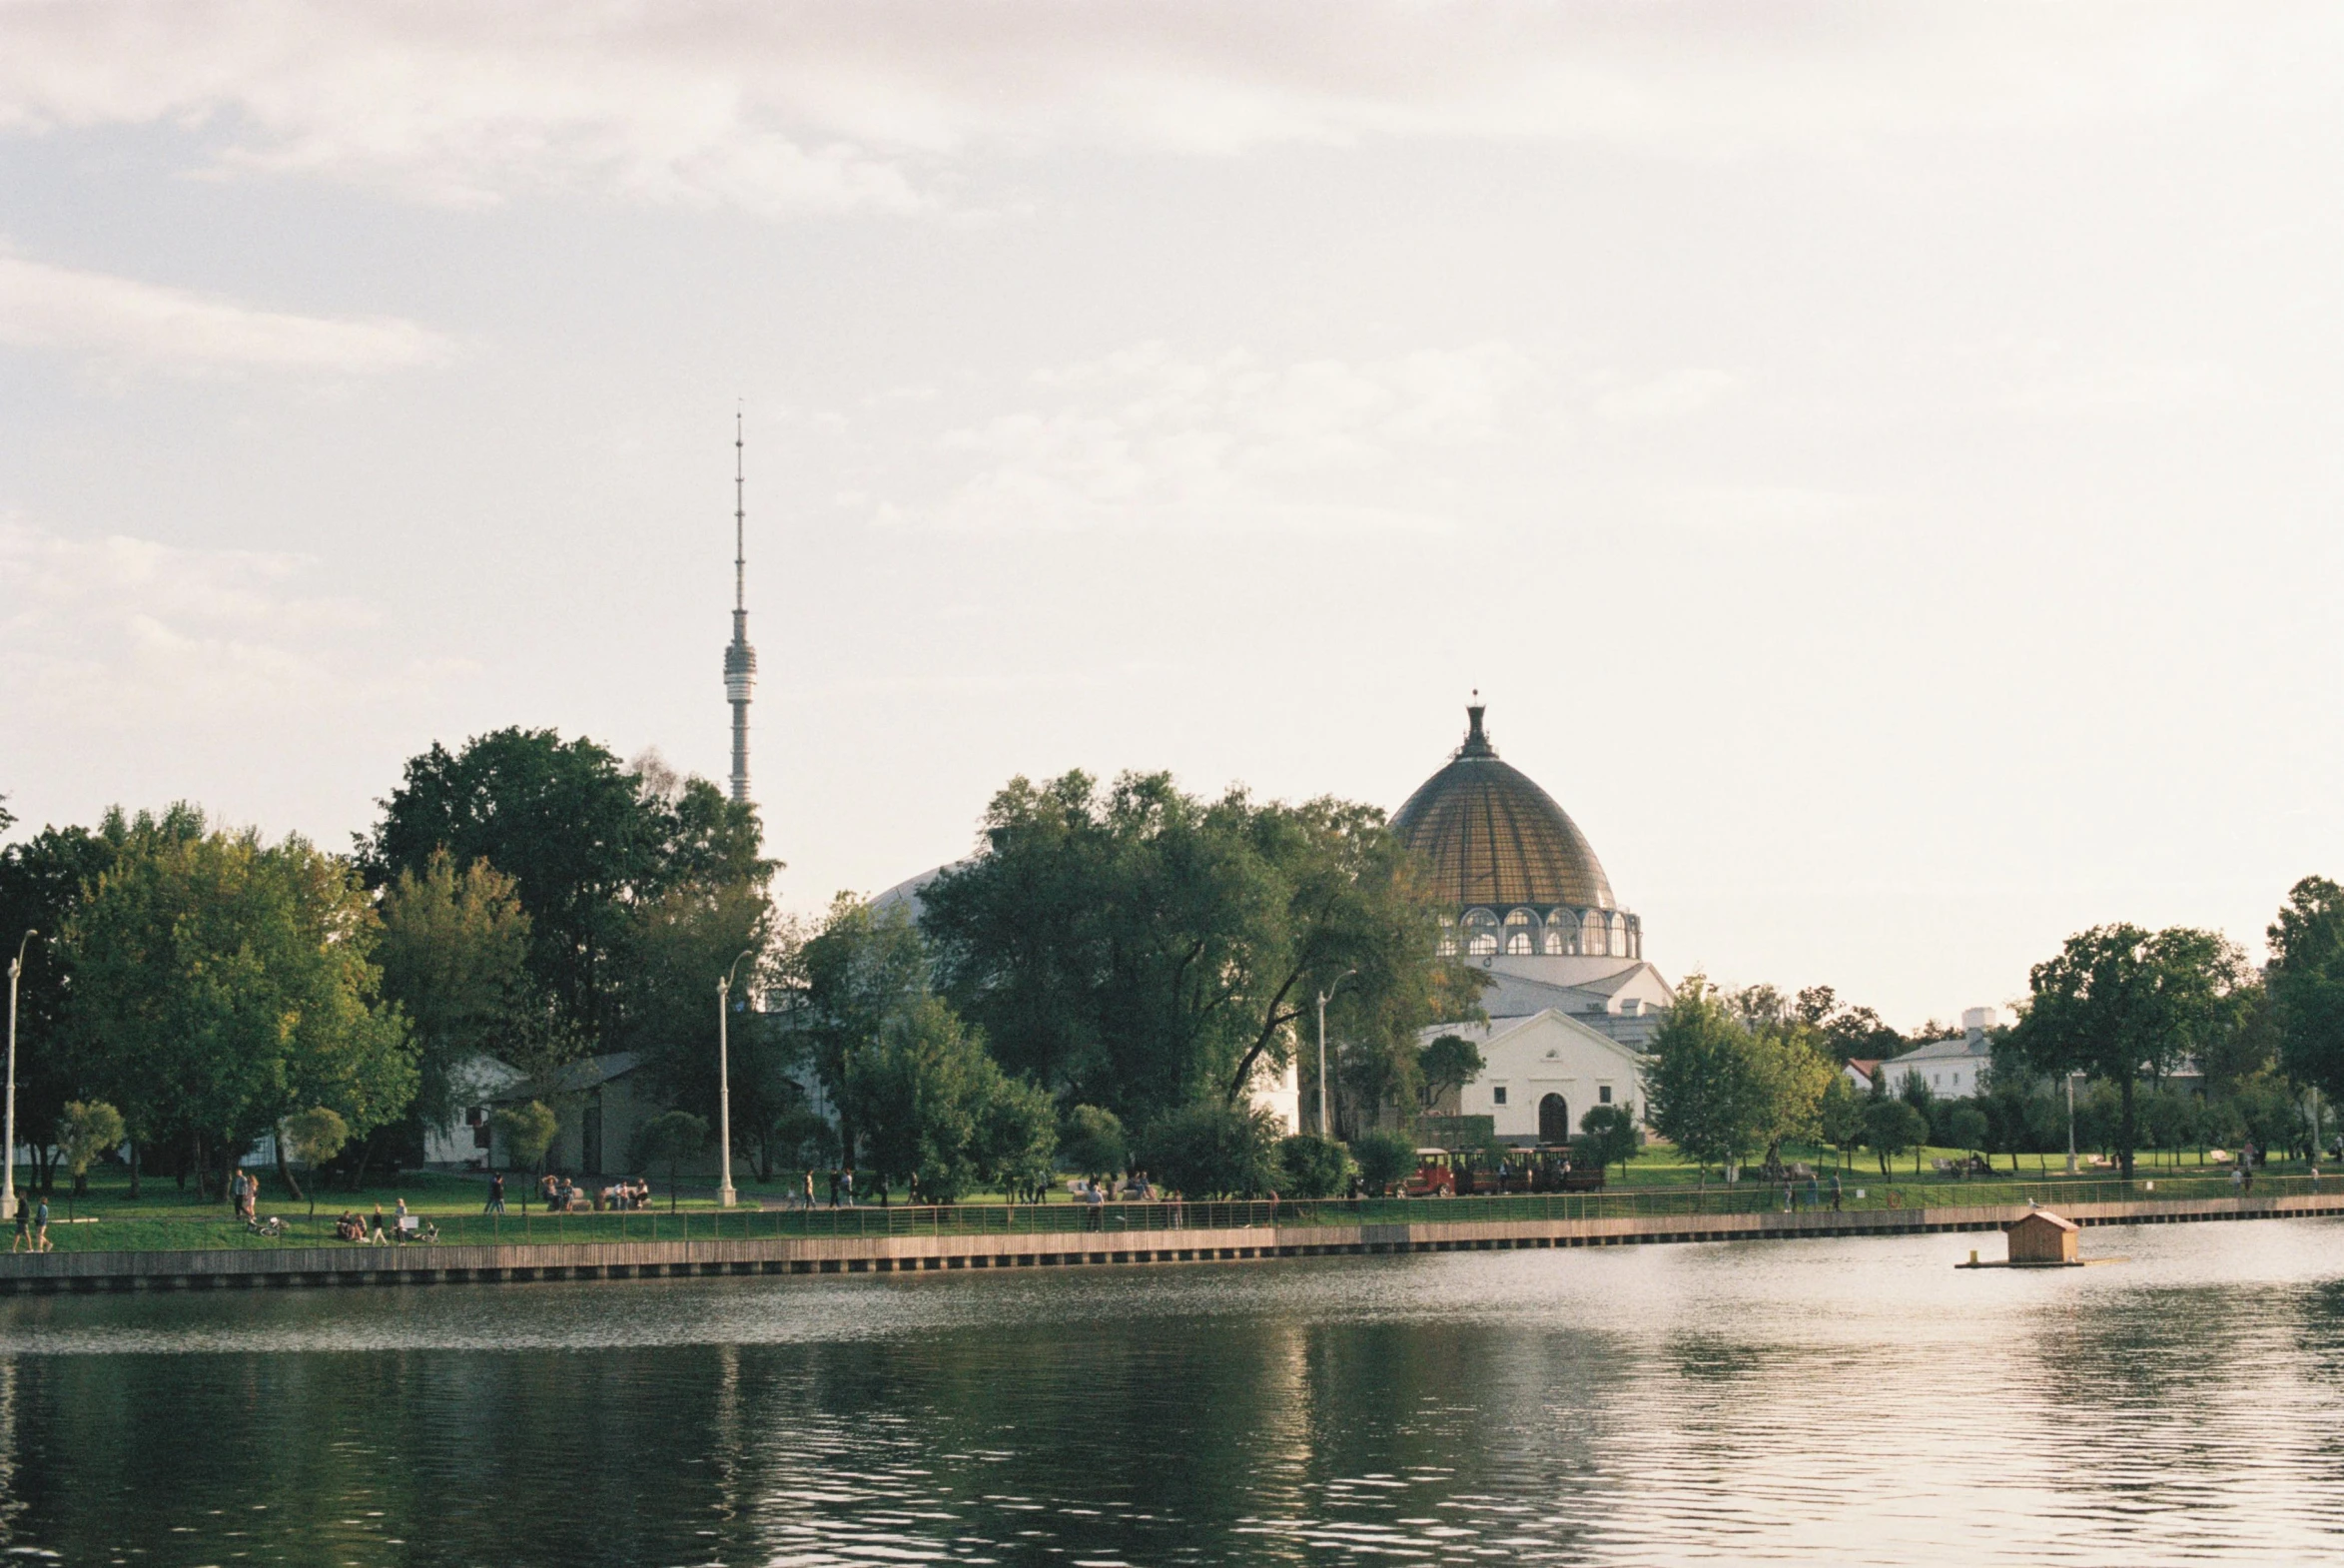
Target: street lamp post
<point>8,1134</point>
<point>2070,1124</point>
<point>725,1196</point>
<point>1324,1131</point>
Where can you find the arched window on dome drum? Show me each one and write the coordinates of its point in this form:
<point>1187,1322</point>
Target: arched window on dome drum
<point>1480,931</point>
<point>1619,936</point>
<point>1595,934</point>
<point>1521,938</point>
<point>1448,937</point>
<point>1562,933</point>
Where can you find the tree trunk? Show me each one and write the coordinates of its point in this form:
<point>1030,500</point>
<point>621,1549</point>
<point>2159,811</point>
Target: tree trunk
<point>285,1172</point>
<point>134,1170</point>
<point>2125,1131</point>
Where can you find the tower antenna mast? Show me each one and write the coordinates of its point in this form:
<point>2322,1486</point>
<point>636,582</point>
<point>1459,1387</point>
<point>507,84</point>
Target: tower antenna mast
<point>740,660</point>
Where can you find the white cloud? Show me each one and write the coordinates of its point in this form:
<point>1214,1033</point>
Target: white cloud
<point>118,322</point>
<point>1150,439</point>
<point>1670,397</point>
<point>857,104</point>
<point>100,633</point>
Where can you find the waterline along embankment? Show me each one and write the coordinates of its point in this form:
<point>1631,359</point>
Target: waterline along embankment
<point>913,1240</point>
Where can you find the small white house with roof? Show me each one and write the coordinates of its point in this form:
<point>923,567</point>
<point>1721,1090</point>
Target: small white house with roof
<point>1949,1066</point>
<point>1542,1073</point>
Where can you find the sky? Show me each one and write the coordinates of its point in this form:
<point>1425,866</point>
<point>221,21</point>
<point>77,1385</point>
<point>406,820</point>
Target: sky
<point>1878,464</point>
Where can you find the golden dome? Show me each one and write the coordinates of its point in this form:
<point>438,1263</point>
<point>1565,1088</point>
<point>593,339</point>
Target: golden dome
<point>1494,839</point>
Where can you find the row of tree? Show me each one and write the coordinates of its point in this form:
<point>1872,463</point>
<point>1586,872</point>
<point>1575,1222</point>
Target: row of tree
<point>1130,949</point>
<point>2121,1009</point>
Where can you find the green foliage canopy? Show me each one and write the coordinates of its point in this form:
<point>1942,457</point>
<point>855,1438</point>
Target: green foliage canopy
<point>221,982</point>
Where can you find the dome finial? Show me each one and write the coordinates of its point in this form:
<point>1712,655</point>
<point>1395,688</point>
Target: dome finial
<point>1476,743</point>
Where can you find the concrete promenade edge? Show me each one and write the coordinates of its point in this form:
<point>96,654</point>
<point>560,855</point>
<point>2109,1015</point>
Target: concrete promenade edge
<point>421,1263</point>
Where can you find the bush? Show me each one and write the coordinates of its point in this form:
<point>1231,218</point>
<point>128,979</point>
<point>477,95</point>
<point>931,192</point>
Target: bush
<point>1384,1159</point>
<point>1612,1135</point>
<point>1093,1142</point>
<point>1213,1151</point>
<point>1314,1166</point>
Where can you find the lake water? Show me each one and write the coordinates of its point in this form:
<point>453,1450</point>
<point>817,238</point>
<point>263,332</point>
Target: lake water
<point>1854,1402</point>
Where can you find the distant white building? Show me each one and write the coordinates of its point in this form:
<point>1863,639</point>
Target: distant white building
<point>1951,1066</point>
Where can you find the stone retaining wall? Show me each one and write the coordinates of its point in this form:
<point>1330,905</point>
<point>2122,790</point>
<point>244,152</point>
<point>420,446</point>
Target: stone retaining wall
<point>415,1264</point>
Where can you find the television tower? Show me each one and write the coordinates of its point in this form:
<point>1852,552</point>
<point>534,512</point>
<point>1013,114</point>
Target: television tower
<point>740,660</point>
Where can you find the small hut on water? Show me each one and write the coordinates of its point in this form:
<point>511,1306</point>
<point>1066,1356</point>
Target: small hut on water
<point>2045,1237</point>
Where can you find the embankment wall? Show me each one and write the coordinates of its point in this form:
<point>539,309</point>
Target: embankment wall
<point>284,1267</point>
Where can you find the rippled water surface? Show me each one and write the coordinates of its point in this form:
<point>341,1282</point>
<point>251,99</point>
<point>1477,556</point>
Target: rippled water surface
<point>1853,1401</point>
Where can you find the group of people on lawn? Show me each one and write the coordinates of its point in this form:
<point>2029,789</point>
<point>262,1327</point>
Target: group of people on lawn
<point>565,1196</point>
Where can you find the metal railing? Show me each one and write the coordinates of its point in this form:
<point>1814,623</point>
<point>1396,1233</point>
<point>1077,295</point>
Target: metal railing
<point>1858,1193</point>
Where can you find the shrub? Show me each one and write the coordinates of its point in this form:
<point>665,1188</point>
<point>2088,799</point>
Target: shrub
<point>1384,1159</point>
<point>1093,1142</point>
<point>1210,1151</point>
<point>1314,1166</point>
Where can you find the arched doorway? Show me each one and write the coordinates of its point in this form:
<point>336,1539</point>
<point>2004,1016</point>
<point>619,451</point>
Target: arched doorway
<point>1554,1120</point>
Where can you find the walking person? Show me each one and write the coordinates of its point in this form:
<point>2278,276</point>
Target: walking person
<point>1835,1191</point>
<point>809,1186</point>
<point>24,1224</point>
<point>834,1190</point>
<point>41,1225</point>
<point>495,1203</point>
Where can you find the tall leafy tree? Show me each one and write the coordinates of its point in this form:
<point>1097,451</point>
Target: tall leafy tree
<point>455,955</point>
<point>42,883</point>
<point>222,983</point>
<point>2306,984</point>
<point>1139,949</point>
<point>1705,1089</point>
<point>2123,1004</point>
<point>861,969</point>
<point>590,844</point>
<point>933,1106</point>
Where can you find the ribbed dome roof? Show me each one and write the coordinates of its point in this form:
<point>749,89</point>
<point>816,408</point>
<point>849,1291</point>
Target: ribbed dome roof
<point>1492,837</point>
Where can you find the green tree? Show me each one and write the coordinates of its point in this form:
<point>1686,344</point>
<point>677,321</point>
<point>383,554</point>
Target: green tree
<point>312,1137</point>
<point>1310,1165</point>
<point>674,1136</point>
<point>862,968</point>
<point>1213,1151</point>
<point>1016,1134</point>
<point>1140,949</point>
<point>528,1135</point>
<point>86,1132</point>
<point>921,1095</point>
<point>2122,1002</point>
<point>1093,1143</point>
<point>455,955</point>
<point>2306,984</point>
<point>1891,1126</point>
<point>1385,1160</point>
<point>1839,1114</point>
<point>1612,1136</point>
<point>1967,1126</point>
<point>591,846</point>
<point>1448,1063</point>
<point>222,983</point>
<point>1706,1087</point>
<point>42,883</point>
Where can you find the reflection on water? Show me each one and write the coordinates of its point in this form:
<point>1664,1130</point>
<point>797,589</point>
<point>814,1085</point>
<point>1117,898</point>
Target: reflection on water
<point>1828,1403</point>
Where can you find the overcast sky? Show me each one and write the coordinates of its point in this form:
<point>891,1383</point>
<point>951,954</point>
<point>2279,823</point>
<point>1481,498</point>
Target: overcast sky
<point>1879,463</point>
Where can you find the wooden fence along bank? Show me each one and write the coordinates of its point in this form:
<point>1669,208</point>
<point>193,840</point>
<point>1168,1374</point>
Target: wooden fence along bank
<point>1311,1234</point>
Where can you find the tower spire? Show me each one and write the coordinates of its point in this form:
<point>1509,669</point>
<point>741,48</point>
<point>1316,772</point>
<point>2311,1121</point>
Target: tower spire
<point>740,660</point>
